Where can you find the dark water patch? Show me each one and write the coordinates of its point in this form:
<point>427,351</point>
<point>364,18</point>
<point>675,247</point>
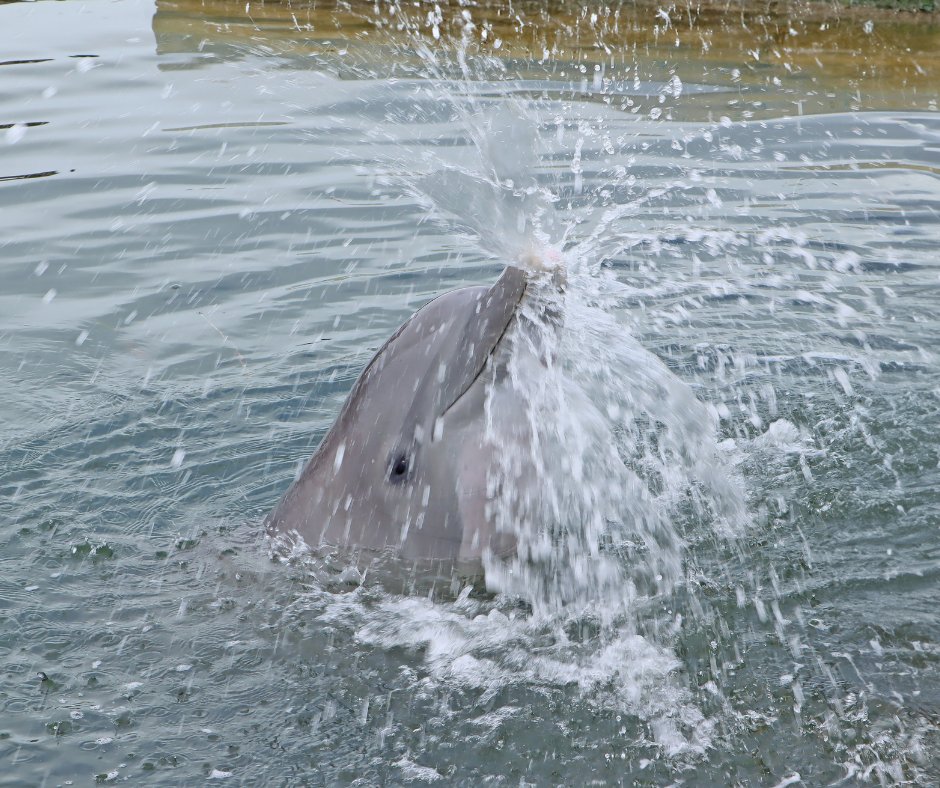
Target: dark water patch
<point>25,62</point>
<point>28,124</point>
<point>29,176</point>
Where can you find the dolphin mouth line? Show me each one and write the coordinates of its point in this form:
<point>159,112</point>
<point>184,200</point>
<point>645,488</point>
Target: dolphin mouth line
<point>489,355</point>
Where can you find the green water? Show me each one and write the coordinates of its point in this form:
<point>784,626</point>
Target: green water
<point>206,229</point>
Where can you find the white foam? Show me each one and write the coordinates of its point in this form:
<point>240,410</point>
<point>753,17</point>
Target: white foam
<point>484,653</point>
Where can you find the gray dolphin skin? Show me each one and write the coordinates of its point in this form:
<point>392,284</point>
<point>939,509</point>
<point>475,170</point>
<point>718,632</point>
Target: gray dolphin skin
<point>404,468</point>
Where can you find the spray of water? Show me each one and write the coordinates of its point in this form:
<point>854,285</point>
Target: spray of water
<point>605,456</point>
<point>606,460</point>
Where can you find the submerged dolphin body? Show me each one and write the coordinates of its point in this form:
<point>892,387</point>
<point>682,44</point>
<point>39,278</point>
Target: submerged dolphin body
<point>404,468</point>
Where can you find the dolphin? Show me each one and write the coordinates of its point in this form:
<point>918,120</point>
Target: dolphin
<point>404,468</point>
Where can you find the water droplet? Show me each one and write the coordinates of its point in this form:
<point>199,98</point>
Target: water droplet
<point>15,133</point>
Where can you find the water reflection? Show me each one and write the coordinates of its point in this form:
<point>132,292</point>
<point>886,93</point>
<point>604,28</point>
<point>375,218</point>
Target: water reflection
<point>778,60</point>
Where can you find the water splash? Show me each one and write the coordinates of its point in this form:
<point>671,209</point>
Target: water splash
<point>606,460</point>
<point>625,506</point>
<point>610,461</point>
<point>604,455</point>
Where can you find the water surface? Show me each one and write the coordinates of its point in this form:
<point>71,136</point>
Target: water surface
<point>210,221</point>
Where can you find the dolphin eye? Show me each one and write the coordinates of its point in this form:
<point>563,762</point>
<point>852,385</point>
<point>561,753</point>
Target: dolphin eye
<point>398,467</point>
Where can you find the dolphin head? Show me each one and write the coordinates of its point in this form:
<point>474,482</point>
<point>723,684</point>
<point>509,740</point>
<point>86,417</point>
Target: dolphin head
<point>404,467</point>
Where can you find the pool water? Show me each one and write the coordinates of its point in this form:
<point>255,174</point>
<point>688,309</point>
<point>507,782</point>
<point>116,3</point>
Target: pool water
<point>214,213</point>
